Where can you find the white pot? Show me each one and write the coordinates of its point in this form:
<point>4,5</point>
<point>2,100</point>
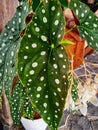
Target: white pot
<point>38,124</point>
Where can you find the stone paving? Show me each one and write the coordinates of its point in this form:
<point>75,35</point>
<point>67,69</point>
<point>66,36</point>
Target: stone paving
<point>77,121</point>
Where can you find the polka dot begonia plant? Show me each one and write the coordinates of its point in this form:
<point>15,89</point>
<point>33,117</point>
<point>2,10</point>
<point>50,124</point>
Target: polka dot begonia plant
<point>9,44</point>
<point>43,63</point>
<point>34,68</point>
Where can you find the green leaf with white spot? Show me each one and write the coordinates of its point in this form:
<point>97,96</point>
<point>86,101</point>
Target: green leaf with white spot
<point>74,89</point>
<point>9,44</point>
<point>10,68</point>
<point>16,104</point>
<point>28,109</point>
<point>73,83</point>
<point>43,63</point>
<point>20,104</point>
<point>88,22</point>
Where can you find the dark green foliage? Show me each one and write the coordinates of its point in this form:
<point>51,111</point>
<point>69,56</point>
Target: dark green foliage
<point>64,3</point>
<point>35,4</point>
<point>28,109</point>
<point>17,103</point>
<point>74,90</point>
<point>20,104</point>
<point>9,44</point>
<point>88,22</point>
<point>73,85</point>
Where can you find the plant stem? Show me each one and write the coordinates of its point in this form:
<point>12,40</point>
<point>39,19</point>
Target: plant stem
<point>70,29</point>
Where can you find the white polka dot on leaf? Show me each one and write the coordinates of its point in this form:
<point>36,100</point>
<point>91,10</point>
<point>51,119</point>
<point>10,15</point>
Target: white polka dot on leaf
<point>44,19</point>
<point>56,22</point>
<point>35,64</point>
<point>57,81</point>
<point>34,45</point>
<point>44,38</point>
